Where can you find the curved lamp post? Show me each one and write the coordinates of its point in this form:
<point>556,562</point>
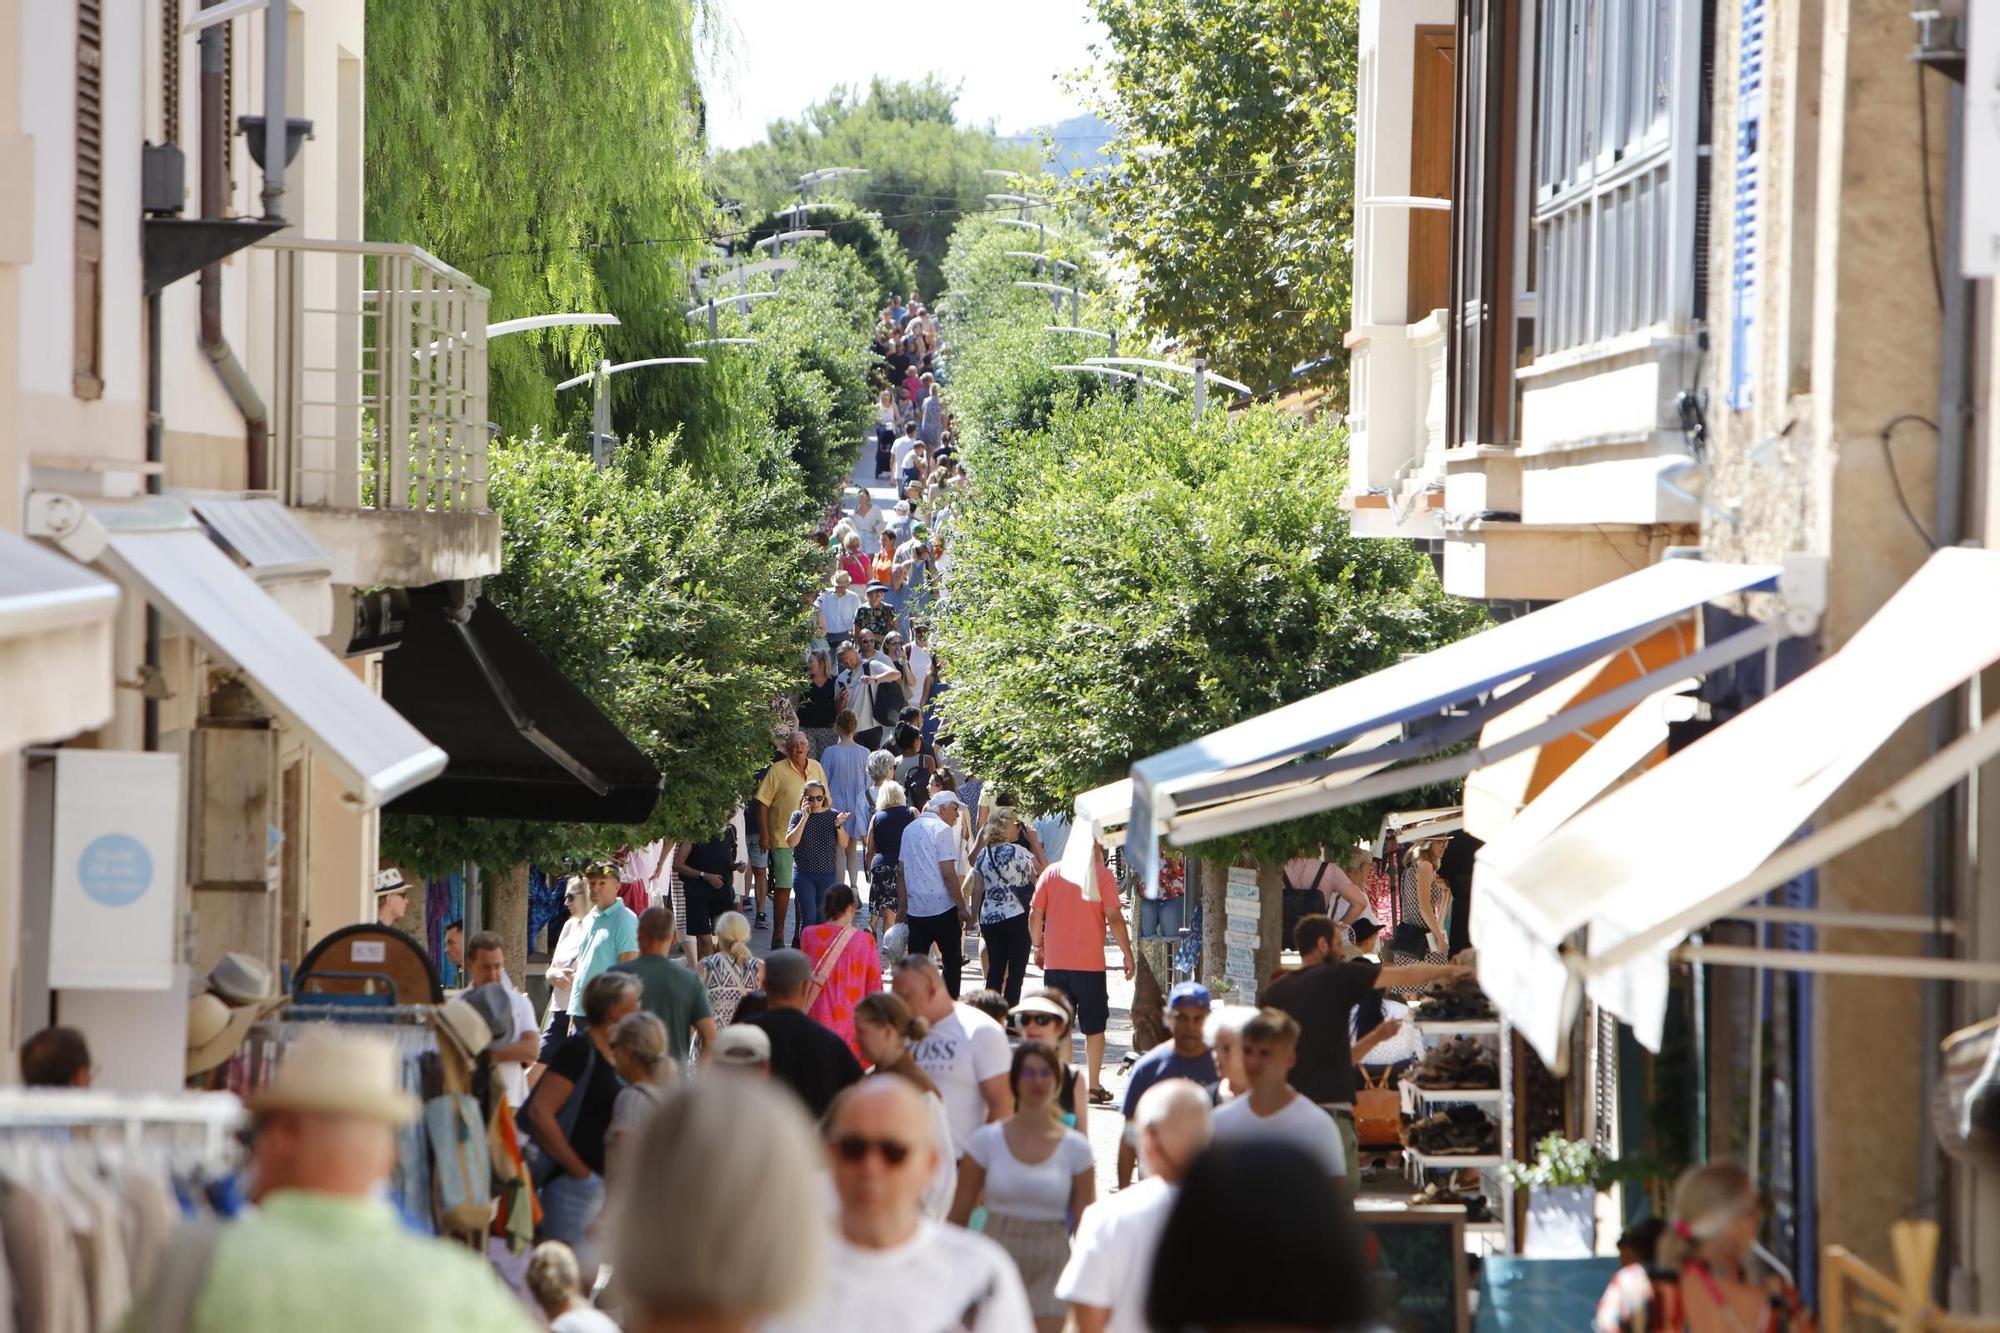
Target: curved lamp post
<point>1136,378</point>
<point>1200,371</point>
<point>600,406</point>
<point>712,308</point>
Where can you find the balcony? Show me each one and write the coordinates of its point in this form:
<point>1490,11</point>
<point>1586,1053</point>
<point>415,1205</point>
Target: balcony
<point>379,418</point>
<point>1396,444</point>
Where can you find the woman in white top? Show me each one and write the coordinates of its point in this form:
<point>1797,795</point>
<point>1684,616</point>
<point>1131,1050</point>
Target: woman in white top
<point>1035,1177</point>
<point>639,1054</point>
<point>884,1029</point>
<point>561,973</point>
<point>557,1286</point>
<point>868,519</point>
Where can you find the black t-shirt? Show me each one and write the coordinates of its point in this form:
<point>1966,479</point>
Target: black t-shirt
<point>593,1118</point>
<point>887,829</point>
<point>1320,998</point>
<point>815,706</point>
<point>717,856</point>
<point>807,1057</point>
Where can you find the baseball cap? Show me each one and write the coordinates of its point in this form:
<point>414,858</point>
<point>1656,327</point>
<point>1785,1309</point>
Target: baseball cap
<point>1188,992</point>
<point>742,1044</point>
<point>940,799</point>
<point>600,870</point>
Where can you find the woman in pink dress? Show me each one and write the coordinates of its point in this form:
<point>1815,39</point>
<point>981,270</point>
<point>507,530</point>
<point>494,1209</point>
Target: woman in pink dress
<point>846,967</point>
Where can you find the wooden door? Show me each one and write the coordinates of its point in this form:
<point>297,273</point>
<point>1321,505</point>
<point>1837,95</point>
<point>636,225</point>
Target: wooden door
<point>1430,169</point>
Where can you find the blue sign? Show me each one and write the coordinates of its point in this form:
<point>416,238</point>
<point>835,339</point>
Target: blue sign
<point>115,869</point>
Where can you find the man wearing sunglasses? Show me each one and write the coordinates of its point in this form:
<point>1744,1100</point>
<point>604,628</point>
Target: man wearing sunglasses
<point>890,1269</point>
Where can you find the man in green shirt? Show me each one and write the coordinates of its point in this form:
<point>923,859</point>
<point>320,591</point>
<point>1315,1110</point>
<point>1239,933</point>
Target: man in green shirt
<point>669,991</point>
<point>322,1253</point>
<point>610,935</point>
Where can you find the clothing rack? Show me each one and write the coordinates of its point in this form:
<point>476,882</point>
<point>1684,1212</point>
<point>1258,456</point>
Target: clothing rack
<point>216,1114</point>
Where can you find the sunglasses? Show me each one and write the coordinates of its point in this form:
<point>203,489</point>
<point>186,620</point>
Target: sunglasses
<point>854,1148</point>
<point>1035,1020</point>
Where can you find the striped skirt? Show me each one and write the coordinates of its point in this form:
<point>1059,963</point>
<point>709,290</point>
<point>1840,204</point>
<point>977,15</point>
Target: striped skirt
<point>1040,1249</point>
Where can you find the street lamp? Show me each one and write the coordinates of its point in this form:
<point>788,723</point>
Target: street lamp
<point>713,307</point>
<point>1056,291</point>
<point>1109,373</point>
<point>1202,375</point>
<point>1111,337</point>
<point>813,179</point>
<point>600,406</point>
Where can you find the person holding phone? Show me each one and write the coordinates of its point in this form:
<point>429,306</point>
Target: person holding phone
<point>817,835</point>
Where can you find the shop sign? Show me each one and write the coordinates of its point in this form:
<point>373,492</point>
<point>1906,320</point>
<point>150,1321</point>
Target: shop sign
<point>116,871</point>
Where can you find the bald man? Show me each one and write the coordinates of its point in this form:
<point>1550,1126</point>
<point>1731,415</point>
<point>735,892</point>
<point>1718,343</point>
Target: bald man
<point>1111,1261</point>
<point>891,1268</point>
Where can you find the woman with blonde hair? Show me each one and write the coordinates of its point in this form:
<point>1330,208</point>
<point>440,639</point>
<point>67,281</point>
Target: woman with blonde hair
<point>556,1282</point>
<point>639,1054</point>
<point>884,1032</point>
<point>760,1248</point>
<point>1000,884</point>
<point>884,848</point>
<point>1704,1282</point>
<point>730,973</point>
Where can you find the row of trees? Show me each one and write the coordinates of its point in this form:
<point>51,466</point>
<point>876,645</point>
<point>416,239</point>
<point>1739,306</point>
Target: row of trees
<point>1126,579</point>
<point>560,163</point>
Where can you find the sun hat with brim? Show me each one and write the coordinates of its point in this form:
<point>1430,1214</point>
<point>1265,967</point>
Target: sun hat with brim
<point>215,1031</point>
<point>742,1044</point>
<point>242,980</point>
<point>338,1075</point>
<point>1041,1004</point>
<point>466,1025</point>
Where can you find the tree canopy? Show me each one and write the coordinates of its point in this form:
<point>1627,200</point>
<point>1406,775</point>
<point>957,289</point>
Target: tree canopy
<point>923,166</point>
<point>1231,197</point>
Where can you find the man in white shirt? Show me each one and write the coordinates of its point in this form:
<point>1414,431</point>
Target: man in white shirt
<point>965,1052</point>
<point>854,687</point>
<point>1274,1109</point>
<point>899,454</point>
<point>837,606</point>
<point>890,1269</point>
<point>933,895</point>
<point>486,963</point>
<point>1111,1261</point>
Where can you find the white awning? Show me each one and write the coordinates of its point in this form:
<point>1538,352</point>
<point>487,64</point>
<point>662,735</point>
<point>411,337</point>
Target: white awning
<point>1688,841</point>
<point>155,548</point>
<point>1242,777</point>
<point>56,666</point>
<point>267,539</point>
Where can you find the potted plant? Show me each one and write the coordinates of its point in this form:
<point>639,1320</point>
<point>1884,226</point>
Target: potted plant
<point>1562,1184</point>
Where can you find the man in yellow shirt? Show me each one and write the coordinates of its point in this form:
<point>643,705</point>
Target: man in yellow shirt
<point>778,795</point>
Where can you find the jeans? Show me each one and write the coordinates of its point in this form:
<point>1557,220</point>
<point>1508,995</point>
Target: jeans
<point>943,931</point>
<point>1161,917</point>
<point>1007,949</point>
<point>808,889</point>
<point>569,1206</point>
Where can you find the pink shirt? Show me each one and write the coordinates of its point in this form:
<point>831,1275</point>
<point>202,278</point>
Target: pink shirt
<point>856,973</point>
<point>1072,929</point>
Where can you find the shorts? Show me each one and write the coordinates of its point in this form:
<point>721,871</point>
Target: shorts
<point>1086,990</point>
<point>554,1035</point>
<point>702,900</point>
<point>781,867</point>
<point>754,844</point>
<point>1161,918</point>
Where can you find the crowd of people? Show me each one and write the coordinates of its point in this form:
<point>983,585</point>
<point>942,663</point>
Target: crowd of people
<point>836,1135</point>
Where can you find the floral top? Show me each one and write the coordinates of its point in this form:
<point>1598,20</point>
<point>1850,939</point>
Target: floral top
<point>1173,875</point>
<point>856,973</point>
<point>728,982</point>
<point>1642,1300</point>
<point>1007,882</point>
<point>878,620</point>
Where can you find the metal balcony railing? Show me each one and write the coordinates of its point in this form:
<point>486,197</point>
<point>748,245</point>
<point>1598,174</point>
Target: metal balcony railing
<point>380,374</point>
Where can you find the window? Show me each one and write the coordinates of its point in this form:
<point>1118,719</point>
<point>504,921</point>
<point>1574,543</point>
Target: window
<point>1745,222</point>
<point>1430,171</point>
<point>1613,168</point>
<point>86,377</point>
<point>1479,346</point>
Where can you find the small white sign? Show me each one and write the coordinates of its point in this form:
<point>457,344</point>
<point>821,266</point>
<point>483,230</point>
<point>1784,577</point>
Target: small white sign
<point>1247,939</point>
<point>369,951</point>
<point>1241,961</point>
<point>117,869</point>
<point>1243,883</point>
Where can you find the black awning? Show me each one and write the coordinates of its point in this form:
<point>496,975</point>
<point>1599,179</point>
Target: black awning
<point>524,742</point>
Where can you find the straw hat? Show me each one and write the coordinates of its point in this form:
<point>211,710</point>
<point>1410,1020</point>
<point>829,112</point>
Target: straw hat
<point>467,1024</point>
<point>214,1031</point>
<point>338,1075</point>
<point>242,980</point>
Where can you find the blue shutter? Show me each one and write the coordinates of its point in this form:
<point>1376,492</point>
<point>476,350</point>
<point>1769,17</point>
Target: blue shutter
<point>1746,220</point>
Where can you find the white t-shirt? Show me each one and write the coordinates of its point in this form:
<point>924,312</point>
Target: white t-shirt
<point>1037,1193</point>
<point>942,1277</point>
<point>838,610</point>
<point>583,1320</point>
<point>899,452</point>
<point>852,690</point>
<point>1300,1123</point>
<point>920,664</point>
<point>943,1186</point>
<point>1111,1260</point>
<point>514,1074</point>
<point>869,525</point>
<point>928,844</point>
<point>959,1054</point>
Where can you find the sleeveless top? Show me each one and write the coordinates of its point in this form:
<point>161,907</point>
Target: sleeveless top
<point>728,982</point>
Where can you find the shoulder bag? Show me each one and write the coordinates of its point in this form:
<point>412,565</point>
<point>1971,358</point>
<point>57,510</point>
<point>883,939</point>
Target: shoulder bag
<point>827,960</point>
<point>542,1168</point>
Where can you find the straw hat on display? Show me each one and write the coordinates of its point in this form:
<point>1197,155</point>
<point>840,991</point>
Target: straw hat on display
<point>338,1075</point>
<point>241,980</point>
<point>214,1031</point>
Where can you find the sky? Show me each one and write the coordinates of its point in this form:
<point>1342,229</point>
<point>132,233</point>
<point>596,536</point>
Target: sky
<point>776,57</point>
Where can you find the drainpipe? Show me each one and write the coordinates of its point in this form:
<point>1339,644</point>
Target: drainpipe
<point>235,380</point>
<point>1945,820</point>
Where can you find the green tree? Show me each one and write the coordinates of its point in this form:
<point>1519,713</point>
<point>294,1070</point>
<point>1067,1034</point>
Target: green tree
<point>923,166</point>
<point>665,595</point>
<point>1231,200</point>
<point>550,149</point>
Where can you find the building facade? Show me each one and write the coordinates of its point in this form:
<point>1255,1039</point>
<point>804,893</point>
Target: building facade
<point>1716,275</point>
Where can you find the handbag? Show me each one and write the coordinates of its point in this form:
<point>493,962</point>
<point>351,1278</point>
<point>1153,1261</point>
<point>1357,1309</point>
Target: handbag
<point>824,970</point>
<point>1378,1111</point>
<point>543,1168</point>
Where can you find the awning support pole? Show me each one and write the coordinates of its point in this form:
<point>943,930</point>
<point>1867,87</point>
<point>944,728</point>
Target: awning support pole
<point>1915,967</point>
